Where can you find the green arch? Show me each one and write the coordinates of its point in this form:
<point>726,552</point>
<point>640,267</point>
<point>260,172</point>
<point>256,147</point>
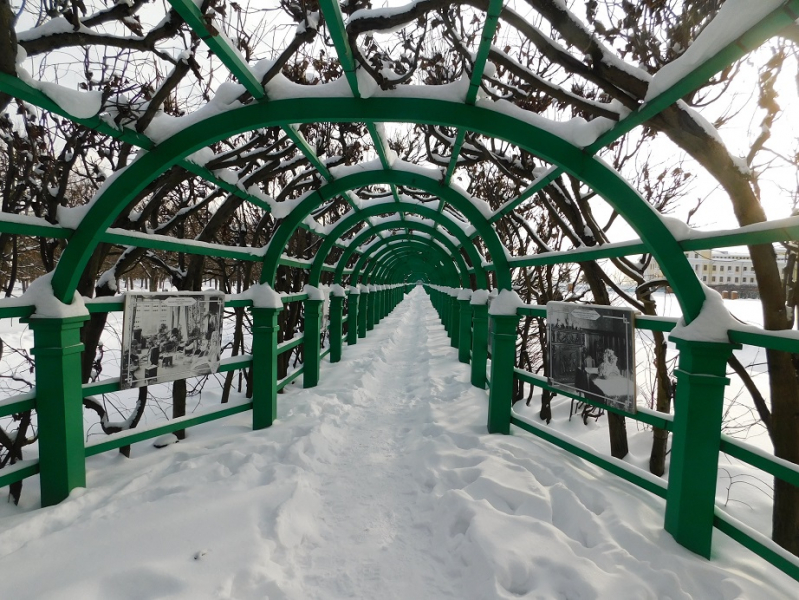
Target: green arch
<point>122,187</point>
<point>414,179</point>
<point>372,264</point>
<point>419,252</point>
<point>392,245</point>
<point>354,218</point>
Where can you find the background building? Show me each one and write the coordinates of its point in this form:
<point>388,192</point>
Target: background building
<point>723,270</point>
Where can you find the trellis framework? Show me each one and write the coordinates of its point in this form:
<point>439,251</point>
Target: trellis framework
<point>440,245</point>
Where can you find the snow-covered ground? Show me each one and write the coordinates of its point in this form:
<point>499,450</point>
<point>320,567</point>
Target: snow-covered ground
<point>379,483</point>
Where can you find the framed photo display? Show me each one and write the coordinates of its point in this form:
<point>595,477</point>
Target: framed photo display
<point>169,336</point>
<point>592,352</point>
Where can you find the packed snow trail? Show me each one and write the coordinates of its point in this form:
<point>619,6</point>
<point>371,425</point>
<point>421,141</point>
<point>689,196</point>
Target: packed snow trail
<point>379,483</point>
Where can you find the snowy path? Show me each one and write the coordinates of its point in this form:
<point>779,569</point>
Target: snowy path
<point>379,483</point>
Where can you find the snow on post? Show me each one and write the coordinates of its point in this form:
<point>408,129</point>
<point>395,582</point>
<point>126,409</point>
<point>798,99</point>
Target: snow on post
<point>479,298</point>
<point>337,291</point>
<point>262,296</point>
<point>711,324</point>
<point>506,303</point>
<point>40,295</point>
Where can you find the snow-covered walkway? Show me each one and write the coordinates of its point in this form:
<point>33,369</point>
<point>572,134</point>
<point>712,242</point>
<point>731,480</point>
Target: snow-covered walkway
<point>379,483</point>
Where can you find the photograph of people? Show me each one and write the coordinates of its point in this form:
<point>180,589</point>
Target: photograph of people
<point>591,352</point>
<point>170,336</point>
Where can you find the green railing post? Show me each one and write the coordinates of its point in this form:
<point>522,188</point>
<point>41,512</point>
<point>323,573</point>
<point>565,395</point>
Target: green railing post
<point>352,316</point>
<point>698,408</point>
<point>465,326</point>
<point>59,405</point>
<point>503,361</point>
<point>336,327</point>
<point>445,312</point>
<point>455,318</point>
<point>479,343</point>
<point>264,366</point>
<point>370,308</point>
<point>311,342</point>
<point>363,299</point>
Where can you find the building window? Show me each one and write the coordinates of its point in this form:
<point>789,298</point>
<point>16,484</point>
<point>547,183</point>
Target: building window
<point>745,268</point>
<point>714,267</point>
<point>704,267</point>
<point>736,269</point>
<point>729,268</point>
<point>736,280</point>
<point>714,278</point>
<point>728,279</point>
<point>704,277</point>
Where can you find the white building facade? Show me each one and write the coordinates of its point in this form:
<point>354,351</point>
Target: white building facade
<point>725,270</point>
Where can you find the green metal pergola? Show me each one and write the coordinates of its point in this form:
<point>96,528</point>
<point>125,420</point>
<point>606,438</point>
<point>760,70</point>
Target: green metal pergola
<point>434,245</point>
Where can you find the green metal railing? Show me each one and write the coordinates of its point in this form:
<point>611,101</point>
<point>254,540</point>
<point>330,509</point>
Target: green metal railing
<point>28,401</point>
<point>698,508</point>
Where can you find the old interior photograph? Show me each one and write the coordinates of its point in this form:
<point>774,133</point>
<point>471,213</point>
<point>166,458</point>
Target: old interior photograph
<point>591,352</point>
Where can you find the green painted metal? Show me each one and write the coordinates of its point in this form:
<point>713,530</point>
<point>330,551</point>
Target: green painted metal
<point>17,404</point>
<point>229,56</point>
<point>312,345</point>
<point>408,258</point>
<point>264,369</point>
<point>777,467</point>
<point>18,472</point>
<point>769,26</point>
<point>763,547</point>
<point>416,180</point>
<point>359,239</point>
<point>353,301</point>
<point>59,405</point>
<point>290,378</point>
<point>363,309</point>
<point>455,338</point>
<point>139,435</point>
<point>643,414</point>
<point>481,57</point>
<point>32,228</point>
<point>535,140</point>
<point>336,327</point>
<point>289,344</point>
<point>465,328</point>
<point>503,362</point>
<point>612,465</point>
<point>479,345</point>
<point>368,260</point>
<point>698,407</point>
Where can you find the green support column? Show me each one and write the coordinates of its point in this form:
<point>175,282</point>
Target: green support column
<point>445,306</point>
<point>698,408</point>
<point>311,342</point>
<point>336,327</point>
<point>465,327</point>
<point>59,405</point>
<point>479,344</point>
<point>352,316</point>
<point>264,366</point>
<point>503,361</point>
<point>362,309</point>
<point>370,308</point>
<point>455,326</point>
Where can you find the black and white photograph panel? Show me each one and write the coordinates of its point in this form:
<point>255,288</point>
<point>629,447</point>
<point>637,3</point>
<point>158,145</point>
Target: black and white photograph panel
<point>592,353</point>
<point>170,336</point>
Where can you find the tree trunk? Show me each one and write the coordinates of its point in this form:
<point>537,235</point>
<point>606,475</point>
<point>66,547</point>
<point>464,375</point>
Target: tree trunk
<point>179,404</point>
